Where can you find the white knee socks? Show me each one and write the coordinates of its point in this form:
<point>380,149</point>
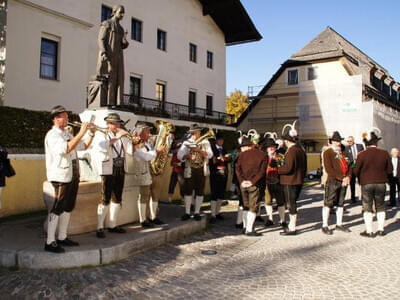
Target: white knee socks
<point>214,206</point>
<point>325,216</point>
<point>239,218</point>
<point>63,225</point>
<point>282,212</point>
<point>251,217</point>
<point>142,211</point>
<point>188,202</point>
<point>292,222</point>
<point>102,211</point>
<point>219,203</point>
<point>368,221</point>
<point>268,208</point>
<point>51,228</point>
<point>153,209</point>
<point>114,210</point>
<point>199,201</point>
<point>339,216</point>
<point>245,213</point>
<point>380,216</point>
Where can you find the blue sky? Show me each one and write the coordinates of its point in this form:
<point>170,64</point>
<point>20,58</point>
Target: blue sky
<point>288,25</point>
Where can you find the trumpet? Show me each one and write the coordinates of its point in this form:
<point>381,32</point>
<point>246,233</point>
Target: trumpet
<point>78,124</point>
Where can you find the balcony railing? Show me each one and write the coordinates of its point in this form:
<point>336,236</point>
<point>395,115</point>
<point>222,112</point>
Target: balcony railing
<point>175,111</point>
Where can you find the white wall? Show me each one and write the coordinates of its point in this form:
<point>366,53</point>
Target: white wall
<point>181,19</point>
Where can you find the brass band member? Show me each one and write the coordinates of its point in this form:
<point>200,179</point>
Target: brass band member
<point>274,189</point>
<point>338,171</point>
<point>218,176</point>
<point>63,172</point>
<point>250,170</point>
<point>194,155</point>
<point>373,167</point>
<point>292,174</point>
<point>112,148</point>
<point>144,154</point>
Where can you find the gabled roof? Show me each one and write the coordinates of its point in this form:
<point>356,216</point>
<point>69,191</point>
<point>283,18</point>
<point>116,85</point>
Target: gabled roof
<point>327,45</point>
<point>233,20</point>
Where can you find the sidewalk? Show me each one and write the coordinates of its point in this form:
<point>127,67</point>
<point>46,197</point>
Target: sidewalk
<point>22,242</point>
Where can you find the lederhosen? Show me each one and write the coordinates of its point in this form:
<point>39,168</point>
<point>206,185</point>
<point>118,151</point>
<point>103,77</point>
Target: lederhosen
<point>335,193</point>
<point>113,185</point>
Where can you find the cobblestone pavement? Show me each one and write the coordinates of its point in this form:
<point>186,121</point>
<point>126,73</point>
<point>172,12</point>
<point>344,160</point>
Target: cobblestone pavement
<point>310,265</point>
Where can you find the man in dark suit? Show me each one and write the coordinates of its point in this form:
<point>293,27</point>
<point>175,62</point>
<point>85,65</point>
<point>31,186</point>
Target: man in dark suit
<point>394,178</point>
<point>352,151</point>
<point>373,167</point>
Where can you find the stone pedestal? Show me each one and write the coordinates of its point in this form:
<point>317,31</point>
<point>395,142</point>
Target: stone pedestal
<point>84,216</point>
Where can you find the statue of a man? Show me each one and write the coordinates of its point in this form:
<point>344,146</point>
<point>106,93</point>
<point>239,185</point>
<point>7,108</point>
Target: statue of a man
<point>110,64</point>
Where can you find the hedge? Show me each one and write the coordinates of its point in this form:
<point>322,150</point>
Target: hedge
<point>23,131</point>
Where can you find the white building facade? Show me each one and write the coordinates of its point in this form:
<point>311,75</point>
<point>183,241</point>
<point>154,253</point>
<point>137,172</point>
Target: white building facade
<point>176,50</point>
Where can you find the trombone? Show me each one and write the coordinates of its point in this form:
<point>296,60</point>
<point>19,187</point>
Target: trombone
<point>78,124</point>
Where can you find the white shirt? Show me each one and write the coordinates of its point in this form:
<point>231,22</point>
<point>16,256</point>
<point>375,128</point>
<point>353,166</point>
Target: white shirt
<point>185,149</point>
<point>395,161</point>
<point>58,161</point>
<point>104,152</point>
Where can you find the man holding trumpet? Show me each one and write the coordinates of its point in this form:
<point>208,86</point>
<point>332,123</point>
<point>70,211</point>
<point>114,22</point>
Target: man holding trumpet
<point>62,169</point>
<point>112,146</point>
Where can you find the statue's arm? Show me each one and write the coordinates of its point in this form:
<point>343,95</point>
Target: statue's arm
<point>102,39</point>
<point>125,42</point>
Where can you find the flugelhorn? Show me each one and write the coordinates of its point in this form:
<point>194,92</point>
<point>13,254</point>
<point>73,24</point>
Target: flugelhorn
<point>78,124</point>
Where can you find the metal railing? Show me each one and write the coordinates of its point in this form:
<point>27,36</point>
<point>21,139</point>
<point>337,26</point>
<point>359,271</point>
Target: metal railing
<point>175,111</point>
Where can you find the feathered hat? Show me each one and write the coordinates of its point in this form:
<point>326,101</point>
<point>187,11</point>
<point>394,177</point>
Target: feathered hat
<point>371,137</point>
<point>291,133</point>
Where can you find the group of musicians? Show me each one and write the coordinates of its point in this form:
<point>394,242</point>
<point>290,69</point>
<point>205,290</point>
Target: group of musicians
<point>264,169</point>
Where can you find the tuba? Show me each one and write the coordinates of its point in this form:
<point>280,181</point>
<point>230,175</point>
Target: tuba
<point>163,139</point>
<point>198,161</point>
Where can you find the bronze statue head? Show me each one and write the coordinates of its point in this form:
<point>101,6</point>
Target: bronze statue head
<point>118,11</point>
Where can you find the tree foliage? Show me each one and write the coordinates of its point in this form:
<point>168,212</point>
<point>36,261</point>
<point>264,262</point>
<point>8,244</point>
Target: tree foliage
<point>236,103</point>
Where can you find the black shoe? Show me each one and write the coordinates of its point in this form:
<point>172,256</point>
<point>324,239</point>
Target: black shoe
<point>369,235</point>
<point>342,228</point>
<point>353,201</point>
<point>244,231</point>
<point>239,226</point>
<point>185,217</point>
<point>157,221</point>
<point>147,224</point>
<point>100,233</point>
<point>326,230</point>
<point>288,232</point>
<point>259,219</point>
<point>283,224</point>
<point>117,229</point>
<point>381,233</point>
<point>67,243</point>
<point>197,217</point>
<point>53,247</point>
<point>253,233</point>
<point>268,223</point>
<point>213,220</point>
<point>220,217</point>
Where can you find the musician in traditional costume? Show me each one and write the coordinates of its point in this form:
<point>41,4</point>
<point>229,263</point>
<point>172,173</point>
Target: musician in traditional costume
<point>336,165</point>
<point>218,176</point>
<point>373,167</point>
<point>292,174</point>
<point>194,152</point>
<point>62,168</point>
<point>273,187</point>
<point>112,148</point>
<point>250,170</point>
<point>144,153</point>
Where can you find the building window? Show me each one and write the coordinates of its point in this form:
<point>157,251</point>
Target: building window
<point>386,89</point>
<point>160,91</point>
<point>192,52</point>
<point>161,40</point>
<point>312,73</point>
<point>293,77</point>
<point>136,30</point>
<point>209,105</point>
<point>135,87</point>
<point>210,61</point>
<point>376,82</point>
<point>48,59</point>
<point>106,13</point>
<point>192,102</point>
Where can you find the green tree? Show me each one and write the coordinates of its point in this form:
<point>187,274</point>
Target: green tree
<point>236,103</point>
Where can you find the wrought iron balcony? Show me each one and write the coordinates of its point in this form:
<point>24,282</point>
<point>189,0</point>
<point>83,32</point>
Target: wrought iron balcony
<point>175,111</point>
